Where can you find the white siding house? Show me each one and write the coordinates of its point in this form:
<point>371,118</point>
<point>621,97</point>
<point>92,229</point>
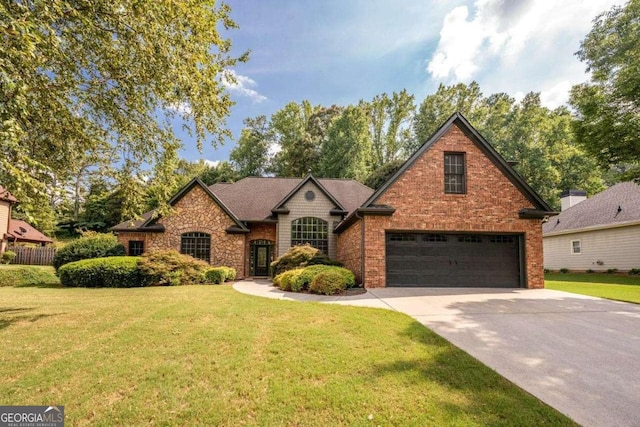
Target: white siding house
<point>599,233</point>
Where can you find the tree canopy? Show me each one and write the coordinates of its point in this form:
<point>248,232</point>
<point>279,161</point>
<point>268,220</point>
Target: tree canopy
<point>83,77</point>
<point>608,107</point>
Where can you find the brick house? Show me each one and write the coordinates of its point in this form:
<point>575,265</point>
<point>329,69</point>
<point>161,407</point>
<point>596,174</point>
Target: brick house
<point>455,214</point>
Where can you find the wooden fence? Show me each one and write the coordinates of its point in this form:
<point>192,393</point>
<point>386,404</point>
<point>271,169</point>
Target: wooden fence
<point>42,255</point>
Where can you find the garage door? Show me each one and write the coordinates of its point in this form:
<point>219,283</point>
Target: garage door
<point>453,260</point>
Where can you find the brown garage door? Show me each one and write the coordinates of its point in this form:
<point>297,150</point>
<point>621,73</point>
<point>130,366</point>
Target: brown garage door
<point>453,260</point>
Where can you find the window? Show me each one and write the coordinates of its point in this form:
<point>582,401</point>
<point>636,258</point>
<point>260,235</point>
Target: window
<point>576,247</point>
<point>198,245</point>
<point>470,239</point>
<point>402,237</point>
<point>136,247</point>
<point>434,238</point>
<point>454,173</point>
<point>502,239</point>
<point>312,231</point>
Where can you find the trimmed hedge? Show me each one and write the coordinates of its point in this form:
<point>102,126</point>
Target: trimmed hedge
<point>28,275</point>
<point>8,256</point>
<point>301,256</point>
<point>215,275</point>
<point>91,245</point>
<point>300,279</point>
<point>328,283</point>
<point>109,272</point>
<point>171,268</point>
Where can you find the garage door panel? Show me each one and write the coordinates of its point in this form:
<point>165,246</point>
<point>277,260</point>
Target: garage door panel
<point>453,260</point>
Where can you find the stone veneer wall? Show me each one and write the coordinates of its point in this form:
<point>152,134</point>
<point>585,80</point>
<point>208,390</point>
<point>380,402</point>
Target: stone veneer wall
<point>490,205</point>
<point>350,249</point>
<point>258,232</point>
<point>198,212</point>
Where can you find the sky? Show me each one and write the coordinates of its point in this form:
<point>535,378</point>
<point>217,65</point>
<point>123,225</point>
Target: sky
<point>341,51</point>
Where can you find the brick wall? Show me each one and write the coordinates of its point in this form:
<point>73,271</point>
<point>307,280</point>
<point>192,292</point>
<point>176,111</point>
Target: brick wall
<point>197,212</point>
<point>350,249</point>
<point>491,204</point>
<point>258,232</point>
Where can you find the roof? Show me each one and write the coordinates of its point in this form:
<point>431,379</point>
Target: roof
<point>6,196</point>
<point>459,120</point>
<point>253,198</point>
<point>133,225</point>
<point>613,207</point>
<point>22,231</point>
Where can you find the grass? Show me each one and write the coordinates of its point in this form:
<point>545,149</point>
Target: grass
<point>207,355</point>
<point>611,286</point>
<point>28,275</point>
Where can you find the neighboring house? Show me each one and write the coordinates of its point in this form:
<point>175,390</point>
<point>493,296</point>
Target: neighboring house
<point>599,233</point>
<point>455,214</point>
<point>23,232</point>
<point>6,204</point>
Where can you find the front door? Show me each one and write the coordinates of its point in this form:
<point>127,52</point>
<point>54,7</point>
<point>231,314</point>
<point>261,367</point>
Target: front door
<point>261,260</point>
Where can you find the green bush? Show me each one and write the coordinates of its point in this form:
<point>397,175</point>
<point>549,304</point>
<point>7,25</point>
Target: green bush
<point>612,271</point>
<point>328,283</point>
<point>564,270</point>
<point>170,267</point>
<point>109,272</point>
<point>301,256</point>
<point>28,275</point>
<point>634,272</point>
<point>8,256</point>
<point>300,279</point>
<point>229,273</point>
<point>216,275</point>
<point>90,245</point>
<point>589,271</point>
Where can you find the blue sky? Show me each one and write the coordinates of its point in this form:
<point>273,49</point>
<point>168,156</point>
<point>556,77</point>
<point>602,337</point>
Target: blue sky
<point>338,52</point>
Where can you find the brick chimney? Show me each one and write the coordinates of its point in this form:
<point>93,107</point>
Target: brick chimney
<point>570,198</point>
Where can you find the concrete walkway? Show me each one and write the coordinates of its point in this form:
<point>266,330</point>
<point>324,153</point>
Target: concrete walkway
<point>579,354</point>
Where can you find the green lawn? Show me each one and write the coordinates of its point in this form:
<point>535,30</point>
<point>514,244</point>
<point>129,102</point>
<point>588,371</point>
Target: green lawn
<point>611,286</point>
<point>207,355</point>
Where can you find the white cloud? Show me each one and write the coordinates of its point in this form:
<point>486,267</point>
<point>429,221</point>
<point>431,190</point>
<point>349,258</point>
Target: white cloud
<point>211,163</point>
<point>242,85</point>
<point>516,46</point>
<point>182,107</point>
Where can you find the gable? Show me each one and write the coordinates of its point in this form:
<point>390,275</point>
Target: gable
<point>308,184</point>
<point>457,135</point>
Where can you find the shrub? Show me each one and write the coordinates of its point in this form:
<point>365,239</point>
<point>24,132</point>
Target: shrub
<point>634,272</point>
<point>546,270</point>
<point>8,256</point>
<point>328,283</point>
<point>300,279</point>
<point>109,272</point>
<point>90,245</point>
<point>170,267</point>
<point>301,256</point>
<point>296,256</point>
<point>612,270</point>
<point>216,275</point>
<point>564,270</point>
<point>590,271</point>
<point>229,273</point>
<point>28,275</point>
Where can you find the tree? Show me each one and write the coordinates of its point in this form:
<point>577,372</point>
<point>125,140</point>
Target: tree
<point>251,156</point>
<point>608,107</point>
<point>347,151</point>
<point>79,74</point>
<point>222,172</point>
<point>381,175</point>
<point>300,130</point>
<point>390,126</point>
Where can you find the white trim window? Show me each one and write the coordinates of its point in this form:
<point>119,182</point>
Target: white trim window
<point>576,247</point>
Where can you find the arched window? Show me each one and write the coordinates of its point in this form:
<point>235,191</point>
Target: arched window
<point>198,245</point>
<point>312,231</point>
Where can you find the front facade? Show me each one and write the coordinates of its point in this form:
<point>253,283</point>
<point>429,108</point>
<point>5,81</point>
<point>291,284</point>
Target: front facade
<point>455,214</point>
<point>599,233</point>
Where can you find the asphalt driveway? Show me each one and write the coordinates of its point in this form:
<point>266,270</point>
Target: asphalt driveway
<point>579,354</point>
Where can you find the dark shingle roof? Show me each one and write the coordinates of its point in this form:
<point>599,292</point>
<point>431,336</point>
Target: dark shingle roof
<point>133,225</point>
<point>252,199</point>
<point>599,210</point>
